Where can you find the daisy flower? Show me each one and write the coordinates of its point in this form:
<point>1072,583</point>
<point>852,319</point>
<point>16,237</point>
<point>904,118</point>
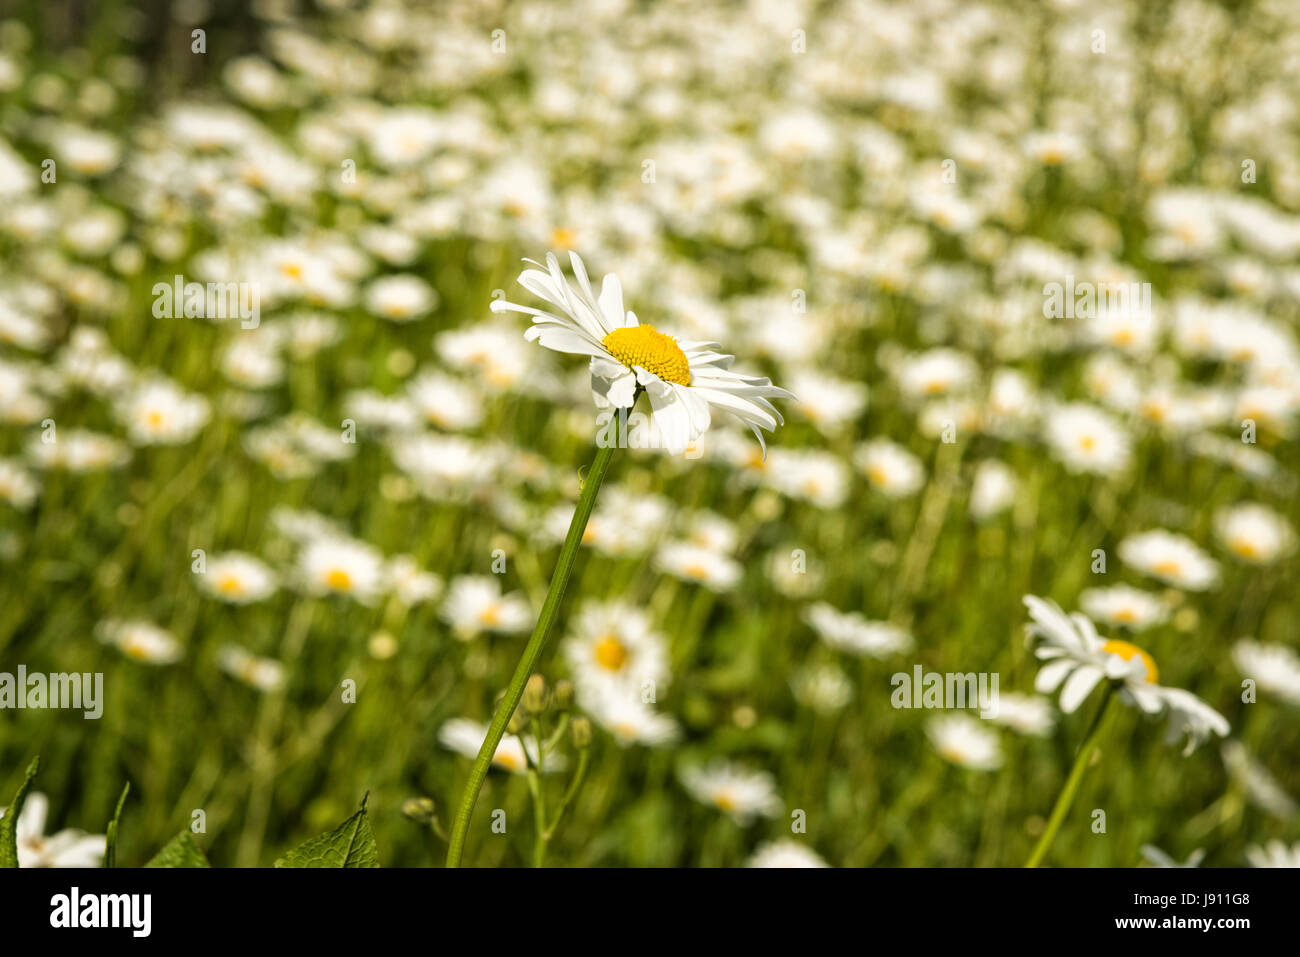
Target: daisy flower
<point>1275,668</point>
<point>1026,714</point>
<point>824,688</point>
<point>400,298</point>
<point>1086,439</point>
<point>889,467</point>
<point>1123,606</point>
<point>141,641</point>
<point>411,583</point>
<point>699,566</point>
<point>685,379</point>
<point>963,740</point>
<point>67,848</point>
<point>78,450</point>
<point>158,412</point>
<point>614,643</point>
<point>264,674</point>
<point>1171,558</point>
<point>341,566</point>
<point>237,578</point>
<point>854,633</point>
<point>1274,854</point>
<point>17,487</point>
<point>465,737</point>
<point>992,490</point>
<point>785,853</point>
<point>622,713</point>
<point>1158,858</point>
<point>735,790</point>
<point>1078,659</point>
<point>1254,533</point>
<point>474,604</point>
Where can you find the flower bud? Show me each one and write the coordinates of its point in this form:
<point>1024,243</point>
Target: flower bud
<point>581,731</point>
<point>419,809</point>
<point>535,695</point>
<point>562,695</point>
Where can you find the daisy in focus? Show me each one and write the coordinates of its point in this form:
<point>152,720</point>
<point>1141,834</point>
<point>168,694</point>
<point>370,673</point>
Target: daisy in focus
<point>685,379</point>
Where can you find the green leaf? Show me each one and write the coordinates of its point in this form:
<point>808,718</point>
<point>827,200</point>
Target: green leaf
<point>351,844</point>
<point>180,851</point>
<point>9,823</point>
<point>110,851</point>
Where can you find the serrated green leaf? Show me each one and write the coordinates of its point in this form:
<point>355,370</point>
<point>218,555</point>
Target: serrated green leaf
<point>9,823</point>
<point>180,851</point>
<point>110,849</point>
<point>351,844</point>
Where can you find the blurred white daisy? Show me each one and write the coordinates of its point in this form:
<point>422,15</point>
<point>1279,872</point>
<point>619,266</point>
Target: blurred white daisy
<point>785,853</point>
<point>700,566</point>
<point>158,412</point>
<point>341,566</point>
<point>889,467</point>
<point>68,848</point>
<point>1123,606</point>
<point>1274,668</point>
<point>1254,533</point>
<point>1026,714</point>
<point>1086,439</point>
<point>141,641</point>
<point>475,604</point>
<point>853,632</point>
<point>735,790</point>
<point>238,578</point>
<point>1171,558</point>
<point>965,741</point>
<point>1274,854</point>
<point>1158,858</point>
<point>622,712</point>
<point>264,674</point>
<point>614,643</point>
<point>465,737</point>
<point>400,298</point>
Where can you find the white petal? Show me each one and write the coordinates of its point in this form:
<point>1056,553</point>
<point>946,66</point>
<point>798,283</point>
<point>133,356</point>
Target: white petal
<point>1078,687</point>
<point>1051,675</point>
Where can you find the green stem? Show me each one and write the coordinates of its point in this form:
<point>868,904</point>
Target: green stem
<point>1066,796</point>
<point>532,651</point>
<point>572,791</point>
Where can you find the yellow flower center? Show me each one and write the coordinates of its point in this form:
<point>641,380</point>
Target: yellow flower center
<point>230,585</point>
<point>506,760</point>
<point>339,580</point>
<point>1127,651</point>
<point>647,347</point>
<point>489,617</point>
<point>611,653</point>
<point>724,801</point>
<point>1244,548</point>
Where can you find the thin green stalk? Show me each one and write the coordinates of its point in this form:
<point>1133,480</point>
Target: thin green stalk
<point>532,651</point>
<point>1064,799</point>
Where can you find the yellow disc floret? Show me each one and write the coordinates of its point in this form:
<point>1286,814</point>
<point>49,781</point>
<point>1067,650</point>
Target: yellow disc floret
<point>1128,651</point>
<point>647,347</point>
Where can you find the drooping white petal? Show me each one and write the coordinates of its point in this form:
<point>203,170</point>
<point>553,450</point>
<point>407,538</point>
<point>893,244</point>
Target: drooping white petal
<point>1051,675</point>
<point>1079,686</point>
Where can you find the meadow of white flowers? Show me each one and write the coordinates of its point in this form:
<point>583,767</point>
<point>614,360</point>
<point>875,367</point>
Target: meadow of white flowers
<point>931,370</point>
